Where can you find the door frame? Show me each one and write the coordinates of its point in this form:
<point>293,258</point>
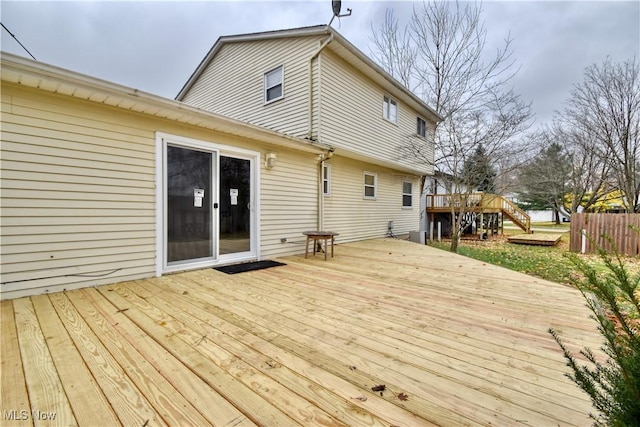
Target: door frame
<point>164,139</point>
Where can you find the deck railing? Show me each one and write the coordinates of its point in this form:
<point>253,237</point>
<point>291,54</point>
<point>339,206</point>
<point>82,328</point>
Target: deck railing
<point>478,202</point>
<point>448,200</point>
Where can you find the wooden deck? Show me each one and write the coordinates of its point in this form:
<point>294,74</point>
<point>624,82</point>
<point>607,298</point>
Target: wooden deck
<point>537,239</point>
<point>454,341</point>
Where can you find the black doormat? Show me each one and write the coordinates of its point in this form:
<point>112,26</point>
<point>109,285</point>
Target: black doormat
<point>248,266</point>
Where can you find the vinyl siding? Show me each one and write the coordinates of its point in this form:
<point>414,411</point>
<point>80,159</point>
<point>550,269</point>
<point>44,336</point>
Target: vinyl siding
<point>78,192</point>
<point>347,212</point>
<point>233,83</point>
<point>289,203</point>
<point>351,116</point>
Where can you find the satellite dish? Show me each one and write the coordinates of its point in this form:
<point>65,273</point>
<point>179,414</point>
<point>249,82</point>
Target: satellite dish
<point>336,5</point>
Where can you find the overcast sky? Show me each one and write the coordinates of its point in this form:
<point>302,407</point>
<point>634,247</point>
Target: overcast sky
<point>154,46</point>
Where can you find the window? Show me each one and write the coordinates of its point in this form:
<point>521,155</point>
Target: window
<point>390,109</point>
<point>370,185</point>
<point>407,194</point>
<point>421,129</point>
<point>273,86</point>
<point>326,180</point>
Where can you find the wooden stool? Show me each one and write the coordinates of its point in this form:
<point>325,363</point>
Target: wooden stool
<point>316,236</point>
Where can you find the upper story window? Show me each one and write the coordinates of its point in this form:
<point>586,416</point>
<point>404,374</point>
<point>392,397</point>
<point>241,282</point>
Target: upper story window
<point>370,182</point>
<point>407,194</point>
<point>326,180</point>
<point>421,128</point>
<point>390,109</point>
<point>274,84</point>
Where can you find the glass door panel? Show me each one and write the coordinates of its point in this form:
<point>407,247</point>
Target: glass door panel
<point>189,204</point>
<point>235,205</point>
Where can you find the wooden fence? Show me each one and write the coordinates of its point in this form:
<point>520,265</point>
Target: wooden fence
<point>597,226</point>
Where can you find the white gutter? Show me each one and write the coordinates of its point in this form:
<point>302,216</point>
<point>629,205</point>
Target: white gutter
<point>26,72</point>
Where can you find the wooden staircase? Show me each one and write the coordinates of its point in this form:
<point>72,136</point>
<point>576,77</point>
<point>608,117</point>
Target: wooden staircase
<point>479,203</point>
<point>515,214</point>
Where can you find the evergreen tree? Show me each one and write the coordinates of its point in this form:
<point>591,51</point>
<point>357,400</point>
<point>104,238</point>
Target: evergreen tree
<point>478,172</point>
<point>544,180</point>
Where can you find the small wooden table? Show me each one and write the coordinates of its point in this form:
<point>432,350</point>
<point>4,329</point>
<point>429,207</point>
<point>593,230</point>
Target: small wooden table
<point>316,236</point>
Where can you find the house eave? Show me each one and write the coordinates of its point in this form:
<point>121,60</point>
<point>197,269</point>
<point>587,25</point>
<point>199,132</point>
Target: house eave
<point>413,170</point>
<point>223,40</point>
<point>26,72</point>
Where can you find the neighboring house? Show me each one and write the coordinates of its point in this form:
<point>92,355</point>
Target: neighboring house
<point>103,183</point>
<point>312,83</point>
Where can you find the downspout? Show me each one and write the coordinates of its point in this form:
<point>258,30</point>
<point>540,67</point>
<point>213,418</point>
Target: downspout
<point>321,192</point>
<point>310,85</point>
<point>322,157</point>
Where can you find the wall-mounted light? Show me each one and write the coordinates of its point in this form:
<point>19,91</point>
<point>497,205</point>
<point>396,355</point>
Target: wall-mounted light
<point>270,160</point>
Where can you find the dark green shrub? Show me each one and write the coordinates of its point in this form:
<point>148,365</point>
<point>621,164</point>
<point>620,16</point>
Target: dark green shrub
<point>613,386</point>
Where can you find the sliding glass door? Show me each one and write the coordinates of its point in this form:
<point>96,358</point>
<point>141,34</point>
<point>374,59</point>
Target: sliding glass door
<point>209,203</point>
<point>190,219</point>
<point>235,205</point>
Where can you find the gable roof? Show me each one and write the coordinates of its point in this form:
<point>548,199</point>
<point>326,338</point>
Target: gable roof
<point>30,73</point>
<point>339,45</point>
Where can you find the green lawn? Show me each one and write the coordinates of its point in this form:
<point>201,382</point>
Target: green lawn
<point>542,261</point>
<point>561,226</point>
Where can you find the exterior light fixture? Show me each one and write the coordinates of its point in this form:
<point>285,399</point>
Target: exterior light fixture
<point>270,160</point>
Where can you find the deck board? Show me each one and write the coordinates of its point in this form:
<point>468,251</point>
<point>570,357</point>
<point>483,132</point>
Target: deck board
<point>14,389</point>
<point>462,342</point>
<point>203,397</point>
<point>89,404</point>
<point>47,396</point>
<point>537,239</point>
<point>130,404</point>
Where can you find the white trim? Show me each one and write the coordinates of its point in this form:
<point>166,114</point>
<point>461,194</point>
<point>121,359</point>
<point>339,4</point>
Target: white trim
<point>269,101</point>
<point>365,185</point>
<point>162,139</point>
<point>160,156</point>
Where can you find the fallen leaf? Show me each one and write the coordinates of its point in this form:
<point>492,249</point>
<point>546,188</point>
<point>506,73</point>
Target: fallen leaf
<point>380,387</point>
<point>403,397</point>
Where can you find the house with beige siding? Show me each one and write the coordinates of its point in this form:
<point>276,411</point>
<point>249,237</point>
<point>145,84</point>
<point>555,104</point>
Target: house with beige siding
<point>101,183</point>
<point>312,83</point>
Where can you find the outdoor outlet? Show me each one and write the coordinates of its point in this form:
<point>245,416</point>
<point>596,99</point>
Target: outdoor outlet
<point>283,240</point>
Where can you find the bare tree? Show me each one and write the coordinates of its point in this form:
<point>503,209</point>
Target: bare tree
<point>605,107</point>
<point>442,55</point>
<point>567,173</point>
<point>589,176</point>
<point>399,56</point>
